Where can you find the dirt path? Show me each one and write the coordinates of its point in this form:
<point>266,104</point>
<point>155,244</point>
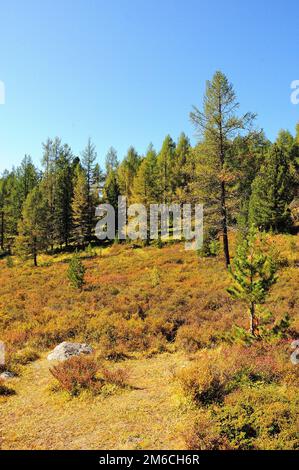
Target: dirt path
<point>147,417</point>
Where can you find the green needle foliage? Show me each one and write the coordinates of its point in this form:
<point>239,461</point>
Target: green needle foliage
<point>76,272</point>
<point>234,171</point>
<point>272,193</point>
<point>218,124</point>
<point>253,273</point>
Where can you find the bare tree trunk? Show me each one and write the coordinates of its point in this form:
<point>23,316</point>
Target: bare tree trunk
<point>35,253</point>
<point>2,230</point>
<point>224,226</point>
<point>223,193</point>
<point>253,320</point>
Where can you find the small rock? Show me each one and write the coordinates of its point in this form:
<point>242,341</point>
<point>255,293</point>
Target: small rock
<point>6,375</point>
<point>66,350</point>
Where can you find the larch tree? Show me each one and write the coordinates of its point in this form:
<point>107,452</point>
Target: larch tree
<point>166,162</point>
<point>145,187</point>
<point>3,193</point>
<point>51,152</point>
<point>92,171</point>
<point>33,227</point>
<point>27,177</point>
<point>181,173</point>
<point>111,161</point>
<point>217,125</point>
<point>127,171</point>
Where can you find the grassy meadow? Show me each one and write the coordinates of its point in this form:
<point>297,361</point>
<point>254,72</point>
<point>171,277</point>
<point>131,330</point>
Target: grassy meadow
<point>172,366</point>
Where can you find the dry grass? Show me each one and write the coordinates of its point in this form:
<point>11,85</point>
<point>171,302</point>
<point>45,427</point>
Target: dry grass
<point>145,416</point>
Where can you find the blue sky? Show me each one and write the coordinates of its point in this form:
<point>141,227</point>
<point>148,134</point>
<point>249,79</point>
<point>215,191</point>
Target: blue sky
<point>128,71</point>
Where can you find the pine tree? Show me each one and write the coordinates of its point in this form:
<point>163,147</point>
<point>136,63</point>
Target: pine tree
<point>217,125</point>
<point>272,192</point>
<point>76,272</point>
<point>248,156</point>
<point>33,236</point>
<point>111,192</point>
<point>59,163</point>
<point>80,207</point>
<point>62,218</point>
<point>10,209</point>
<point>253,273</point>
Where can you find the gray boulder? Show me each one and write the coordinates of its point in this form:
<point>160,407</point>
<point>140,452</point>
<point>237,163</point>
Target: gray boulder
<point>7,375</point>
<point>66,350</point>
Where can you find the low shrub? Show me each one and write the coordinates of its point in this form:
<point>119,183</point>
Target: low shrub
<point>204,383</point>
<point>117,377</point>
<point>84,373</point>
<point>77,374</point>
<point>260,420</point>
<point>204,435</point>
<point>188,339</point>
<point>155,277</point>
<point>25,356</point>
<point>251,422</point>
<point>215,373</point>
<point>240,398</point>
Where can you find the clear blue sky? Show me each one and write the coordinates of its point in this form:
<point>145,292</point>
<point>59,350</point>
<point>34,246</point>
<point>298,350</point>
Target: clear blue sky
<point>128,71</point>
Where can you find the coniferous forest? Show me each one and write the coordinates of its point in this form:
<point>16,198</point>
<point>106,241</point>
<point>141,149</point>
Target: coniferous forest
<point>241,177</point>
<point>181,349</point>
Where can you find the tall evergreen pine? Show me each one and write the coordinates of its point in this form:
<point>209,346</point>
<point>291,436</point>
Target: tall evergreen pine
<point>272,193</point>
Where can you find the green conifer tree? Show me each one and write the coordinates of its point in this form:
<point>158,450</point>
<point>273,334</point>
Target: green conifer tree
<point>33,234</point>
<point>217,126</point>
<point>93,177</point>
<point>166,176</point>
<point>126,172</point>
<point>253,273</point>
<point>272,193</point>
<point>76,272</point>
<point>80,203</point>
<point>145,187</point>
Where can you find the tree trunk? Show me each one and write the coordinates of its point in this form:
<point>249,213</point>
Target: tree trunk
<point>224,226</point>
<point>253,320</point>
<point>2,230</point>
<point>223,192</point>
<point>34,253</point>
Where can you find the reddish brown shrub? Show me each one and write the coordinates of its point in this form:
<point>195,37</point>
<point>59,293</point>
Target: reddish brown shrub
<point>117,377</point>
<point>77,374</point>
